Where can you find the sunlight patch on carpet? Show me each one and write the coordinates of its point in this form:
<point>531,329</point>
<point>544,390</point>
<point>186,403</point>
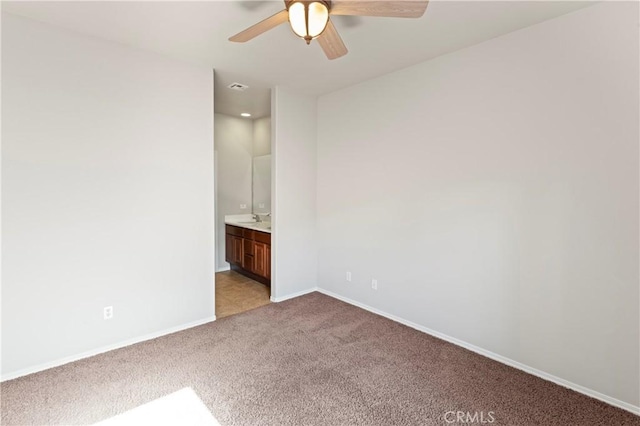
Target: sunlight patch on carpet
<point>183,407</point>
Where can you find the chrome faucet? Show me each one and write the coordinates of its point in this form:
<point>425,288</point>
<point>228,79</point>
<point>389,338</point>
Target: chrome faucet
<point>258,218</point>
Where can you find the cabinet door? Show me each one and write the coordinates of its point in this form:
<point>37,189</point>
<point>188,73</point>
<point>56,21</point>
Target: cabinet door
<point>237,250</point>
<point>268,261</point>
<point>228,248</point>
<point>247,263</point>
<point>259,256</point>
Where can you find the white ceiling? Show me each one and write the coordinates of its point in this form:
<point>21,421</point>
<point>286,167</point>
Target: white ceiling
<point>198,32</point>
<point>256,100</point>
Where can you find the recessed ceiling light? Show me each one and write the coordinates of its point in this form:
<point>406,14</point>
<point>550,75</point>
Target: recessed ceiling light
<point>245,114</point>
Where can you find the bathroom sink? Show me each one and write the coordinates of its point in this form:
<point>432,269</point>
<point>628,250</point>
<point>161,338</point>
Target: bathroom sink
<point>263,225</point>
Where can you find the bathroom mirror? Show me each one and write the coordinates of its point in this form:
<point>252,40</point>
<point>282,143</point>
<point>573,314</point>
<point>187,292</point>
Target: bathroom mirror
<point>261,167</point>
<point>261,184</point>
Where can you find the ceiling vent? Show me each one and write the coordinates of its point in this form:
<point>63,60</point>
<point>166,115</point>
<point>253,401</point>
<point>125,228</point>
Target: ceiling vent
<point>238,86</point>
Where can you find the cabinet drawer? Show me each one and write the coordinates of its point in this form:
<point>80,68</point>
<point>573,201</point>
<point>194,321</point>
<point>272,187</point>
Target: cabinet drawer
<point>247,233</point>
<point>262,237</point>
<point>233,230</point>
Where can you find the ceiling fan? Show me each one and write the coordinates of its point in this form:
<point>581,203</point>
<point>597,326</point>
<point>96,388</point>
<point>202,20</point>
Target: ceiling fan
<point>311,19</point>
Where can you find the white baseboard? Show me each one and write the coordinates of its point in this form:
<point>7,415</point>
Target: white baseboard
<point>515,364</point>
<point>292,295</point>
<point>87,354</point>
<point>223,269</point>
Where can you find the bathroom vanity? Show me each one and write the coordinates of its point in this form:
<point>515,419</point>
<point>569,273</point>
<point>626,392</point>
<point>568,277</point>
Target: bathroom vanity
<point>248,250</point>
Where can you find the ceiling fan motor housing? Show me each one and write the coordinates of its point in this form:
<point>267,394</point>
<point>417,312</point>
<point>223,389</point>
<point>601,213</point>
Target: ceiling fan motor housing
<point>327,3</point>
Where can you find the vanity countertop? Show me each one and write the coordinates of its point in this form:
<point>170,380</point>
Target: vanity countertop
<point>256,226</point>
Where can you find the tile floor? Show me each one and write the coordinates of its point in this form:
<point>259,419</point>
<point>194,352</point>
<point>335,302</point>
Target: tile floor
<point>236,293</point>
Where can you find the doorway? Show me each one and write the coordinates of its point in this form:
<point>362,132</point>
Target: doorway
<point>242,145</point>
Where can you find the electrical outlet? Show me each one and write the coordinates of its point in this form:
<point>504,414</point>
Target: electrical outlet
<point>349,276</point>
<point>108,312</point>
<point>374,284</point>
<point>243,206</point>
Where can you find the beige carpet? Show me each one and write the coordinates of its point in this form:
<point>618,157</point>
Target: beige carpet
<point>312,360</point>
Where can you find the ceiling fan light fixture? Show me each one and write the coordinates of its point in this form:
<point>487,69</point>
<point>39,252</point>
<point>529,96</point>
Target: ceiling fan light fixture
<point>308,19</point>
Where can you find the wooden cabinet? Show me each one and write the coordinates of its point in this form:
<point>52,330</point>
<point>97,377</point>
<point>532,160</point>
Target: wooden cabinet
<point>237,249</point>
<point>233,249</point>
<point>249,252</point>
<point>260,259</point>
<point>268,255</point>
<point>228,247</point>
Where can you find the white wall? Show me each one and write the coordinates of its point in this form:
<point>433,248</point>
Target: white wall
<point>493,192</point>
<point>107,194</point>
<point>234,152</point>
<point>294,246</point>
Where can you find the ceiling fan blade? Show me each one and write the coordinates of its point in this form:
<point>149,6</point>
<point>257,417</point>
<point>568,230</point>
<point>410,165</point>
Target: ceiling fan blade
<point>261,27</point>
<point>394,8</point>
<point>331,42</point>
